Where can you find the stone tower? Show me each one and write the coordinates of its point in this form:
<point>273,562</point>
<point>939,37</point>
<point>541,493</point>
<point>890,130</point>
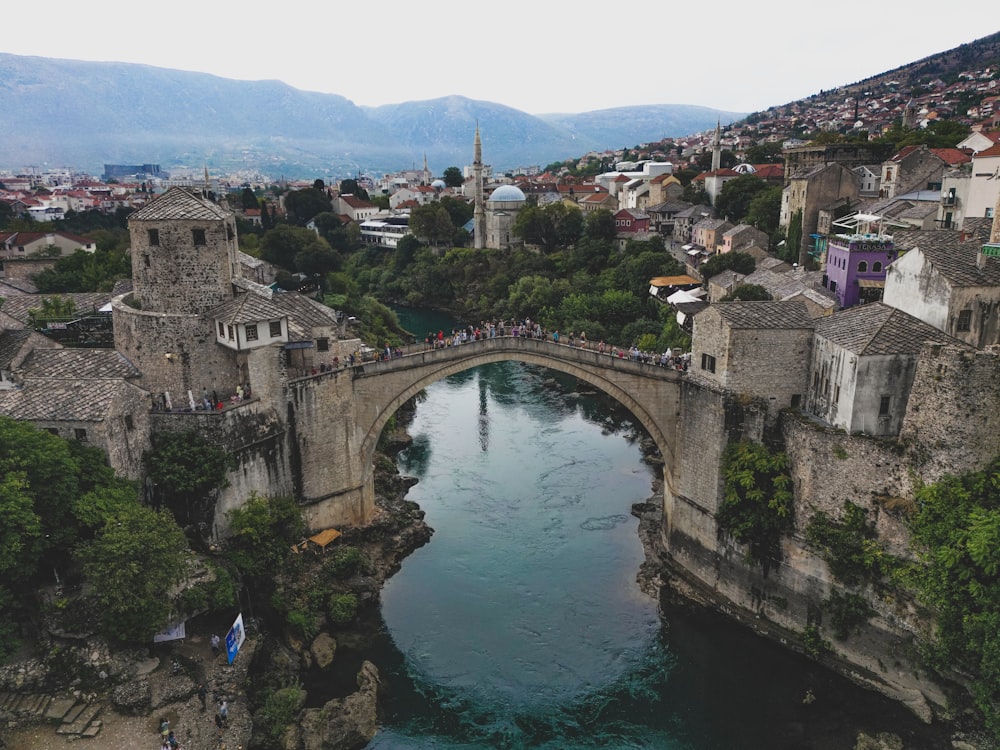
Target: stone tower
<point>184,254</point>
<point>479,216</point>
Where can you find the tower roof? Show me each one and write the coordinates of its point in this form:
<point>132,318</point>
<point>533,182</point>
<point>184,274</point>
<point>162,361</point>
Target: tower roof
<point>179,203</point>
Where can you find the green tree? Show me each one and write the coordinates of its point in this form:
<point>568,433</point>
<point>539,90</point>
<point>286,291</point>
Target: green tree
<point>757,504</point>
<point>187,471</point>
<point>53,308</point>
<point>262,531</point>
<point>764,211</point>
<point>302,205</point>
<point>553,226</point>
<point>453,177</point>
<point>956,533</point>
<point>733,201</point>
<point>282,244</point>
<point>248,200</point>
<point>748,293</point>
<point>132,566</point>
<point>600,225</point>
<point>743,263</point>
<point>432,222</point>
<point>85,272</point>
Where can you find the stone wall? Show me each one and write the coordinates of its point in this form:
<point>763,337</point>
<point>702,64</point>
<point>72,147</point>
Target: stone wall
<point>952,421</point>
<point>254,434</point>
<point>178,275</point>
<point>23,270</point>
<point>195,363</point>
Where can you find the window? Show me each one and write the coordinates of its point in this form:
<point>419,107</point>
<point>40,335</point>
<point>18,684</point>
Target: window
<point>80,434</point>
<point>862,266</point>
<point>965,320</point>
<point>222,329</point>
<point>251,331</point>
<point>883,406</point>
<point>275,326</point>
<point>796,400</point>
<point>145,259</point>
<point>836,394</point>
<point>52,430</point>
<point>129,424</point>
<point>833,285</point>
<point>154,237</point>
<point>230,333</point>
<point>198,235</point>
<point>707,362</point>
<point>876,266</point>
<point>323,345</point>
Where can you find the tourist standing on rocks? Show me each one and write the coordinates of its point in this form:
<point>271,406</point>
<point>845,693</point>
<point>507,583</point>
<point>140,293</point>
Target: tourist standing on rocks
<point>215,645</point>
<point>202,695</point>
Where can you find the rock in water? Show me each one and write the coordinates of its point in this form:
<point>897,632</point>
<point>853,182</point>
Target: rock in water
<point>323,650</point>
<point>343,724</point>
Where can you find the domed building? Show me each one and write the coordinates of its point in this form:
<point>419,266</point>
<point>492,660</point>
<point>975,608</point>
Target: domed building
<point>502,208</point>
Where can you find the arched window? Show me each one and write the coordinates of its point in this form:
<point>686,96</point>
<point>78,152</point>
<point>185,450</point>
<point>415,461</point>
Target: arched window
<point>862,266</point>
<point>876,266</point>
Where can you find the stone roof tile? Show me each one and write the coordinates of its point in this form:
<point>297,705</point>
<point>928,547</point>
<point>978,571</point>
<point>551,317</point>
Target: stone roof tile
<point>765,314</point>
<point>49,401</point>
<point>77,364</point>
<point>11,342</point>
<point>879,329</point>
<point>179,203</point>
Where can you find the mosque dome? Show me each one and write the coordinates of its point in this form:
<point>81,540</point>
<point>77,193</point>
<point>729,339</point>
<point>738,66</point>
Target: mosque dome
<point>507,194</point>
<point>438,185</point>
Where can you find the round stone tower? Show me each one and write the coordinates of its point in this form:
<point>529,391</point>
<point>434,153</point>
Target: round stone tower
<point>183,263</point>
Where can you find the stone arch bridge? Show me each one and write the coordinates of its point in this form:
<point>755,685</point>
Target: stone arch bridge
<point>336,418</point>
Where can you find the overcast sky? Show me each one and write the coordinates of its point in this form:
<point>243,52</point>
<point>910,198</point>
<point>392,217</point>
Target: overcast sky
<point>538,56</point>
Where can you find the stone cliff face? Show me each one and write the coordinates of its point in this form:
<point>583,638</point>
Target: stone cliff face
<point>951,426</point>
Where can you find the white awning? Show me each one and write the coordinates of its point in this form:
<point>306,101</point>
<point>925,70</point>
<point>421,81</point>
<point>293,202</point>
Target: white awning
<point>682,296</point>
<point>686,247</point>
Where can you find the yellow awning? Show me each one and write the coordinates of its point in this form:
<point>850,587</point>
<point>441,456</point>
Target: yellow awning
<point>324,537</point>
<point>871,283</point>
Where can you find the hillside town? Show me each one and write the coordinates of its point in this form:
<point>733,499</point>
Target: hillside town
<point>875,298</point>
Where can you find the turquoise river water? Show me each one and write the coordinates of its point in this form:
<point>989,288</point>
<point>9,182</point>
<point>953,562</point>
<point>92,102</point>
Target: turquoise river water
<point>520,625</point>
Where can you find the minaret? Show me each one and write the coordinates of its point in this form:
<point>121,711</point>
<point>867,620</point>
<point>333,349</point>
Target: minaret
<point>479,216</point>
<point>717,147</point>
<point>427,172</point>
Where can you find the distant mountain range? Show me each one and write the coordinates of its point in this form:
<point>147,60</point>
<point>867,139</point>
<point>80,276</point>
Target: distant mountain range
<point>57,113</point>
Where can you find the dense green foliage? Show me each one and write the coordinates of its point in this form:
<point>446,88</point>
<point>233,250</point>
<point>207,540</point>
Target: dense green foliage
<point>262,532</point>
<point>132,565</point>
<point>748,293</point>
<point>588,285</point>
<point>743,263</point>
<point>757,504</point>
<point>846,612</point>
<point>186,471</point>
<point>85,272</point>
<point>956,530</point>
<point>279,709</point>
<point>733,201</point>
<point>850,546</point>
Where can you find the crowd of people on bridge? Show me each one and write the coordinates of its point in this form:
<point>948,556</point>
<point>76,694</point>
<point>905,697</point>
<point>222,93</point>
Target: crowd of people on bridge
<point>529,329</point>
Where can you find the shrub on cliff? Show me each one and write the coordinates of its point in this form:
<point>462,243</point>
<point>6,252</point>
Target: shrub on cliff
<point>956,531</point>
<point>756,508</point>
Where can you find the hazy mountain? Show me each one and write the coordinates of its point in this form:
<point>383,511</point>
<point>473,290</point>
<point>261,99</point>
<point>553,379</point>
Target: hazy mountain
<point>85,114</point>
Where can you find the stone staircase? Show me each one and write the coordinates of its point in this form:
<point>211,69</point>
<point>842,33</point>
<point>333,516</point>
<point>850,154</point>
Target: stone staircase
<point>73,718</point>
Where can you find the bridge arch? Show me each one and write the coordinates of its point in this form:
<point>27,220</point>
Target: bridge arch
<point>650,393</point>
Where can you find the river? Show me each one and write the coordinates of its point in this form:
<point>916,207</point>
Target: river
<point>520,625</point>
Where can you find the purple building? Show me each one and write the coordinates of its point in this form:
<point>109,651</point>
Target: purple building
<point>856,261</point>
